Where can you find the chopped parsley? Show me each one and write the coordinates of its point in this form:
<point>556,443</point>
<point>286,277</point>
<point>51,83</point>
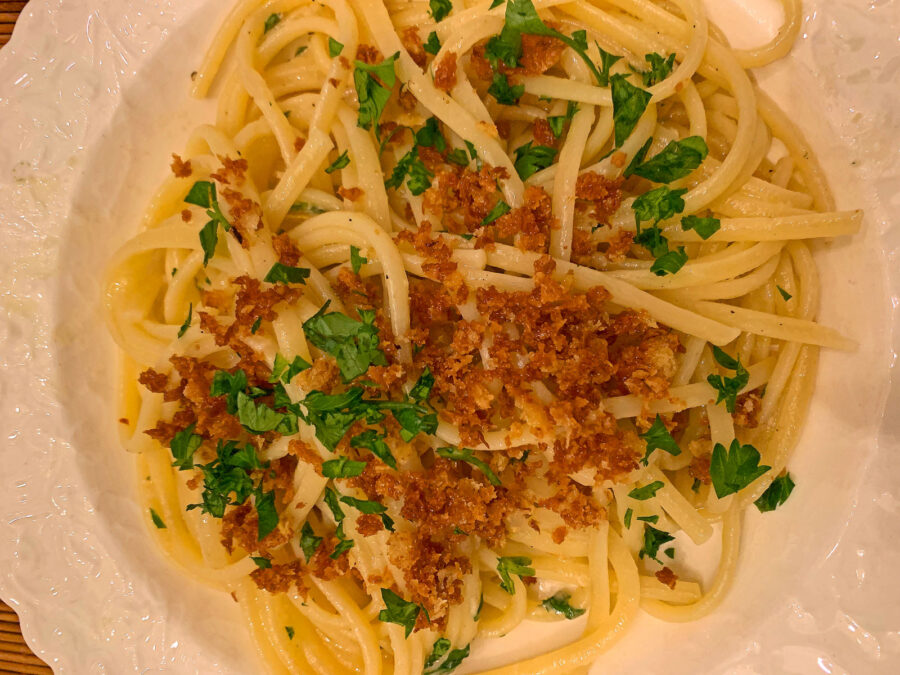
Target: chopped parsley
<point>342,161</point>
<point>653,539</point>
<point>519,565</point>
<point>230,385</point>
<point>187,321</point>
<point>342,467</point>
<point>705,227</point>
<point>284,370</point>
<point>183,446</point>
<point>670,262</point>
<point>413,170</point>
<point>432,45</point>
<point>256,325</point>
<point>629,104</point>
<point>505,93</point>
<point>333,502</point>
<point>398,611</point>
<point>784,294</point>
<point>728,388</point>
<point>734,469</point>
<point>334,47</point>
<point>531,159</point>
<point>468,455</point>
<point>629,513</point>
<point>421,390</point>
<point>344,544</point>
<point>373,89</point>
<point>559,603</point>
<point>647,491</point>
<point>558,122</point>
<point>439,9</point>
<point>677,160</point>
<point>309,542</point>
<point>356,260</point>
<point>660,68</point>
<point>154,516</point>
<point>776,494</point>
<point>449,664</point>
<point>372,441</point>
<point>354,344</point>
<point>272,21</point>
<point>203,193</point>
<point>280,273</point>
<point>607,61</point>
<point>261,562</point>
<point>501,208</point>
<point>657,205</point>
<point>649,519</point>
<point>658,437</point>
<point>290,632</point>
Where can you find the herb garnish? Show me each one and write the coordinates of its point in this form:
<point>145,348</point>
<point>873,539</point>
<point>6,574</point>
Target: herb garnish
<point>342,161</point>
<point>154,516</point>
<point>653,539</point>
<point>373,88</point>
<point>658,437</point>
<point>354,344</point>
<point>342,467</point>
<point>203,193</point>
<point>309,542</point>
<point>280,273</point>
<point>559,603</point>
<point>334,47</point>
<point>647,491</point>
<point>660,68</point>
<point>519,565</point>
<point>705,227</point>
<point>432,45</point>
<point>398,611</point>
<point>271,21</point>
<point>356,260</point>
<point>449,664</point>
<point>531,159</point>
<point>728,387</point>
<point>734,469</point>
<point>629,104</point>
<point>677,160</point>
<point>776,494</point>
<point>468,455</point>
<point>439,9</point>
<point>187,321</point>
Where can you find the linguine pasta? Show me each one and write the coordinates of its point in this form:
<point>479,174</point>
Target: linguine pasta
<point>467,313</point>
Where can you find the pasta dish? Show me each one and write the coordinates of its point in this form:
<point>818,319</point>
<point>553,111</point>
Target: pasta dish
<point>466,313</point>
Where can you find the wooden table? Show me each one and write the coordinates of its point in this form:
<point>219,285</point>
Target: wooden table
<point>15,656</point>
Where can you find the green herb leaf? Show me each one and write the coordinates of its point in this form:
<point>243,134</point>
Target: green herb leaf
<point>519,565</point>
<point>649,519</point>
<point>300,50</point>
<point>334,48</point>
<point>398,611</point>
<point>353,343</point>
<point>501,208</point>
<point>504,92</point>
<point>370,440</point>
<point>451,663</point>
<point>410,167</point>
<point>272,21</point>
<point>468,455</point>
<point>660,68</point>
<point>183,446</point>
<point>268,516</point>
<point>187,321</point>
<point>342,161</point>
<point>728,388</point>
<point>638,158</point>
<point>333,502</point>
<point>256,325</point>
<point>559,603</point>
<point>776,494</point>
<point>342,467</point>
<point>677,160</point>
<point>441,647</point>
<point>373,89</point>
<point>344,544</point>
<point>670,262</point>
<point>496,3</point>
<point>647,491</point>
<point>734,469</point>
<point>705,227</point>
<point>658,204</point>
<point>209,238</point>
<point>261,563</point>
<point>653,539</point>
<point>257,418</point>
<point>365,505</point>
<point>285,274</point>
<point>530,160</point>
<point>784,294</point>
<point>309,542</point>
<point>356,260</point>
<point>439,9</point>
<point>154,516</point>
<point>228,473</point>
<point>422,388</point>
<point>285,370</point>
<point>607,61</point>
<point>458,156</point>
<point>432,44</point>
<point>480,607</point>
<point>230,384</point>
<point>629,513</point>
<point>658,437</point>
<point>629,104</point>
<point>290,632</point>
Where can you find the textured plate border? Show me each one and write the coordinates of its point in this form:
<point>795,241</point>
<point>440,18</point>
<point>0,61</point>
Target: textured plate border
<point>62,78</point>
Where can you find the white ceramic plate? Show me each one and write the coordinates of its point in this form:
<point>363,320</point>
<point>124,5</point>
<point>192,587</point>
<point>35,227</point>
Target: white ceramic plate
<point>93,97</point>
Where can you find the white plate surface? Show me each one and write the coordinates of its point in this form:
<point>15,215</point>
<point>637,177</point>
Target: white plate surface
<point>93,97</point>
